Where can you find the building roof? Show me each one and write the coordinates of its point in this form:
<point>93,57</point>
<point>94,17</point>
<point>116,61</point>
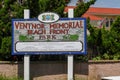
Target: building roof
<point>108,11</point>
<point>93,12</point>
<point>92,17</point>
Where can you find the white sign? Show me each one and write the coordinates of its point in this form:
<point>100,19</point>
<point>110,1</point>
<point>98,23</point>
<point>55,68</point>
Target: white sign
<point>48,17</point>
<point>48,46</point>
<point>68,35</point>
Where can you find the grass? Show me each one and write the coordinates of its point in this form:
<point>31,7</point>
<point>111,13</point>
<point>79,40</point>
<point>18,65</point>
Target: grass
<point>9,78</point>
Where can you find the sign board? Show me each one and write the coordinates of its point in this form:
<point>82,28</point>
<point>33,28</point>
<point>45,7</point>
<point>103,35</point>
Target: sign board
<point>66,36</point>
<point>48,17</point>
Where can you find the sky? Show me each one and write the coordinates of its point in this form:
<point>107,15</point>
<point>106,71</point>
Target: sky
<point>101,3</point>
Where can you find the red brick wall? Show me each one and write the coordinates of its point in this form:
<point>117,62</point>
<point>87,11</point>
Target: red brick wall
<point>8,69</point>
<point>103,68</point>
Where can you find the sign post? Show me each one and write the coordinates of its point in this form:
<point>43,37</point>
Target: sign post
<point>26,57</point>
<point>48,35</point>
<point>70,57</point>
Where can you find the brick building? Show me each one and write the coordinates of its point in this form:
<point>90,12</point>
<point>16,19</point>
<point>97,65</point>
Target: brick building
<point>100,17</point>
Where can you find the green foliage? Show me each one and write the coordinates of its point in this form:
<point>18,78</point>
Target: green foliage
<point>113,38</point>
<point>81,57</point>
<point>40,6</point>
<point>5,48</point>
<point>71,37</point>
<point>115,32</point>
<point>106,56</point>
<point>26,38</point>
<point>94,40</point>
<point>116,25</point>
<point>106,42</point>
<point>9,78</point>
<point>82,8</point>
<point>74,37</point>
<point>34,7</point>
<point>58,7</point>
<point>116,56</point>
<point>43,5</point>
<point>22,38</point>
<point>9,9</point>
<point>13,9</point>
<point>96,58</point>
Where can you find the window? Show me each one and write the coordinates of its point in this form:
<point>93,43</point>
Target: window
<point>111,21</point>
<point>107,22</point>
<point>20,1</point>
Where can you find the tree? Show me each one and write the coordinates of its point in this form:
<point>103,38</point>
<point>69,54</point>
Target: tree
<point>5,48</point>
<point>107,42</point>
<point>115,32</point>
<point>40,6</point>
<point>13,9</point>
<point>82,8</point>
<point>8,9</point>
<point>94,40</point>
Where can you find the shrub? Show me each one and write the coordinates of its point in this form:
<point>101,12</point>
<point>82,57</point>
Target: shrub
<point>9,78</point>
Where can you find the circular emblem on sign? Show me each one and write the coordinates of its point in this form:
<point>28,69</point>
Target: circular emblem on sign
<point>48,17</point>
